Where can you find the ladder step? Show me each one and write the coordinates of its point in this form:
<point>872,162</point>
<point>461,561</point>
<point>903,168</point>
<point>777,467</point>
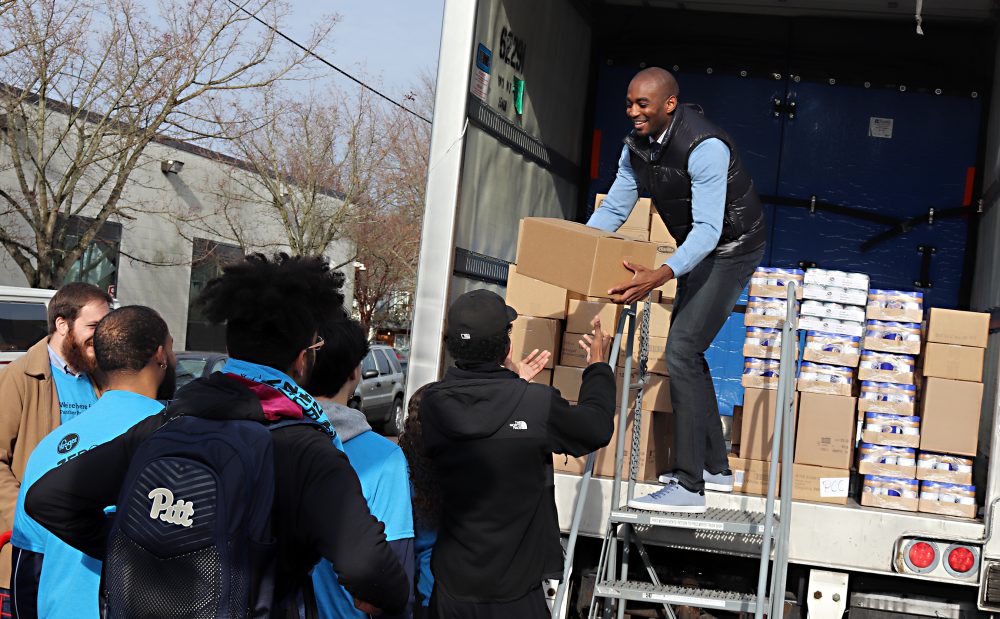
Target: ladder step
<point>679,596</point>
<point>714,519</point>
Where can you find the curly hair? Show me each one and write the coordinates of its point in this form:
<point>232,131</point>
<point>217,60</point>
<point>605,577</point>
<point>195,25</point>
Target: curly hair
<point>426,492</point>
<point>482,349</point>
<point>273,307</point>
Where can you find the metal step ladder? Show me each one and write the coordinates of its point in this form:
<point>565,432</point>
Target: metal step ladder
<point>613,584</point>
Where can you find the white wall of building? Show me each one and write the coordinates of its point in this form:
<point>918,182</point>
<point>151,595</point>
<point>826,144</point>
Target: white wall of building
<point>159,239</point>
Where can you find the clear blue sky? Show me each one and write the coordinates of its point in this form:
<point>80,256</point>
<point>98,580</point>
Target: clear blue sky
<point>391,41</point>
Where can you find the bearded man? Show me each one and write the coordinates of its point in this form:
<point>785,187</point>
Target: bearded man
<point>51,384</point>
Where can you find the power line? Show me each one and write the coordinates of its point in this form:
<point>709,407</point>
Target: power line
<point>328,63</point>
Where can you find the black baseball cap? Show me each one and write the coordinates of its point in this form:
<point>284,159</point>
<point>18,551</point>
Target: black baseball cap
<point>478,314</point>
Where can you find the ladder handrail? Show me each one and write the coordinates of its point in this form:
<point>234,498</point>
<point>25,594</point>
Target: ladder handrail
<point>779,439</point>
<point>627,317</point>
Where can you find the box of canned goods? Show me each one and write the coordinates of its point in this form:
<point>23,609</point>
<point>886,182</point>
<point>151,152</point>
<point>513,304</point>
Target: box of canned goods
<point>897,337</point>
<point>889,429</point>
<point>944,468</point>
<point>769,312</point>
<point>764,343</point>
<point>841,279</point>
<point>887,460</point>
<point>886,367</point>
<point>948,499</point>
<point>887,398</point>
<point>832,348</point>
<point>773,282</point>
<point>760,373</point>
<point>838,311</point>
<point>835,294</point>
<point>890,492</point>
<point>828,379</point>
<point>831,325</point>
<point>895,305</point>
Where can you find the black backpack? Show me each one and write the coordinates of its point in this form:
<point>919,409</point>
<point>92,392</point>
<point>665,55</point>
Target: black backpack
<point>192,533</point>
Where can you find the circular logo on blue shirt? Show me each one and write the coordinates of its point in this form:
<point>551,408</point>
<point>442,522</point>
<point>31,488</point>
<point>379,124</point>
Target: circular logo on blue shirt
<point>68,442</point>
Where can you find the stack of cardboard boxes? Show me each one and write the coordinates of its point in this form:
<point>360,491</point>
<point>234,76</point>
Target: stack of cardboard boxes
<point>952,374</point>
<point>833,318</point>
<point>891,427</point>
<point>753,426</point>
<point>558,285</point>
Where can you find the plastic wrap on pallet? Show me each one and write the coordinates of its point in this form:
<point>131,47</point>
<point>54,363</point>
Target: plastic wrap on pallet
<point>725,360</point>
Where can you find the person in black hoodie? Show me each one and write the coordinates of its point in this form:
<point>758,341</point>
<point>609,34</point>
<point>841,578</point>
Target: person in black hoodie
<point>272,310</point>
<point>491,436</point>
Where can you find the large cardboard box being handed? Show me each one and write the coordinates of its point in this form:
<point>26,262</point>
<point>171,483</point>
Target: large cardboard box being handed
<point>578,258</point>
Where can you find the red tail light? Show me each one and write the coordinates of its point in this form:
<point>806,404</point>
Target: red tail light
<point>961,559</point>
<point>922,555</point>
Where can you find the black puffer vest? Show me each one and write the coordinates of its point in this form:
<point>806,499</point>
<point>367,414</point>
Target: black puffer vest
<point>667,180</point>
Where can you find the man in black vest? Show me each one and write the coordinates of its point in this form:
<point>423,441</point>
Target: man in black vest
<point>707,200</point>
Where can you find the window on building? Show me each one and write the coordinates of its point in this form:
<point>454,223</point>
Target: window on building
<point>207,261</point>
<point>98,264</point>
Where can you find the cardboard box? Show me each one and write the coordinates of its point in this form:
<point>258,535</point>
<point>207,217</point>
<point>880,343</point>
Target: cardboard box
<point>889,502</point>
<point>757,431</point>
<point>763,352</point>
<point>894,440</point>
<point>544,377</point>
<point>903,347</point>
<point>656,361</point>
<point>568,380</point>
<point>639,234</point>
<point>820,387</point>
<point>638,218</point>
<point>820,484</point>
<point>655,393</point>
<point>947,509</point>
<point>532,297</point>
<point>571,354</point>
<point>656,449</point>
<point>876,406</point>
<point>736,428</point>
<point>876,312</point>
<point>752,476</point>
<point>668,291</point>
<point>529,333</point>
<point>658,232</point>
<point>759,382</point>
<point>887,470</point>
<point>950,416</point>
<point>777,292</point>
<point>952,361</point>
<point>944,476</point>
<point>946,326</point>
<point>848,360</point>
<point>825,434</point>
<point>578,258</point>
<point>604,461</point>
<point>579,315</point>
<point>659,318</point>
<point>760,320</point>
<point>885,376</point>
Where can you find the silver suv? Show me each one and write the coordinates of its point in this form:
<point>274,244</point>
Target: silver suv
<point>380,393</point>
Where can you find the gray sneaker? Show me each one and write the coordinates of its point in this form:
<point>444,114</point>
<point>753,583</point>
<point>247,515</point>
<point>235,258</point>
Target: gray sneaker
<point>719,482</point>
<point>671,498</point>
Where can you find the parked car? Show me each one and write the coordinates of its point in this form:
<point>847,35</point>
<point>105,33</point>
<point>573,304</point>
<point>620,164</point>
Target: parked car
<point>380,393</point>
<point>193,364</point>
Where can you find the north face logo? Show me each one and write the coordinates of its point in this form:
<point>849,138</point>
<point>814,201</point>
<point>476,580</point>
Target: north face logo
<point>166,510</point>
<point>67,443</point>
<point>519,425</point>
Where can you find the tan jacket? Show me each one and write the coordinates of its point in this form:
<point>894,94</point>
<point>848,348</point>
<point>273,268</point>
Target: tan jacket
<point>29,409</point>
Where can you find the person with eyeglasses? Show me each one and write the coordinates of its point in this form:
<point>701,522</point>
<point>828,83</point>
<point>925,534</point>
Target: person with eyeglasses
<point>706,198</point>
<point>272,310</point>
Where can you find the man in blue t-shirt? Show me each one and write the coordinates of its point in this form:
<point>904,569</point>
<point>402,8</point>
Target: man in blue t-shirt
<point>379,463</point>
<point>134,350</point>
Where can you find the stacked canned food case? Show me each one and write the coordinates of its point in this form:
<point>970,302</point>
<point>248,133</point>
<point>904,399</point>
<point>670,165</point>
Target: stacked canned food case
<point>888,403</point>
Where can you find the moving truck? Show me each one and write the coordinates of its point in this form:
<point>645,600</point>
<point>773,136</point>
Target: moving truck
<point>875,148</point>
